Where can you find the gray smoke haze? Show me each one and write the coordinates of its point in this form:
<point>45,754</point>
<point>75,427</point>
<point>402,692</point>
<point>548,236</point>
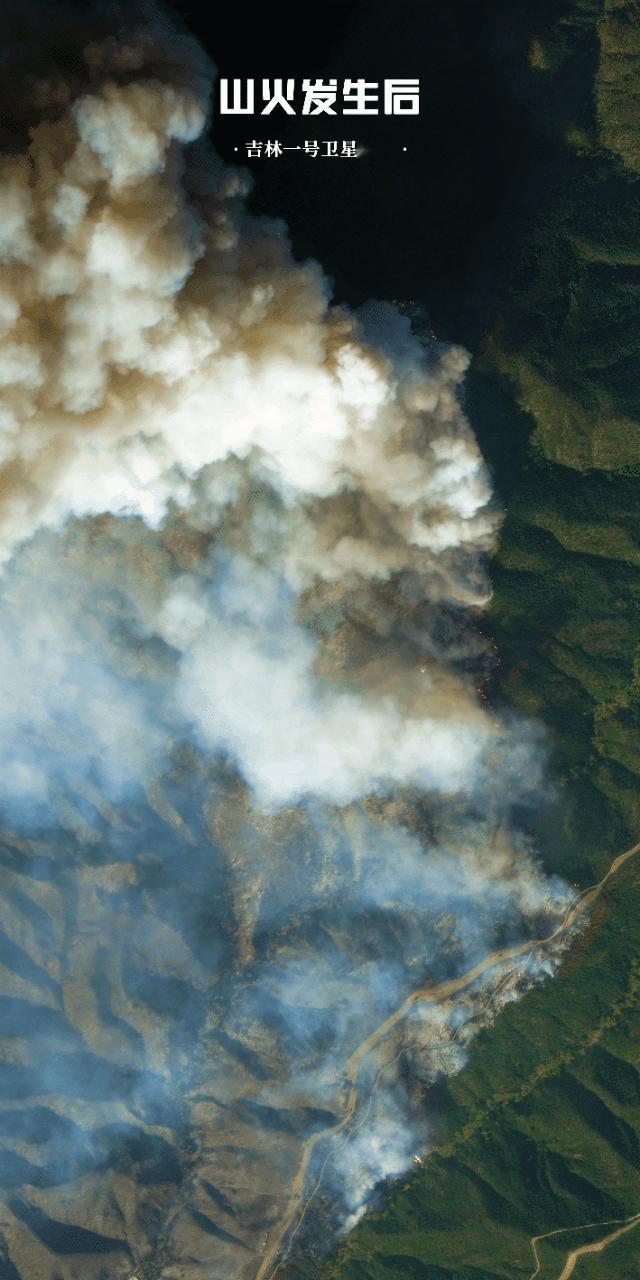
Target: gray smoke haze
<point>254,805</point>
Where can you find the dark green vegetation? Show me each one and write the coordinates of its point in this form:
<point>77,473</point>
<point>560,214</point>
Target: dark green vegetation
<point>542,1129</point>
<point>564,343</point>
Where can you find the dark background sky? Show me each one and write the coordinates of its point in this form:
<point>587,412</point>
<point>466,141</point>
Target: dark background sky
<point>414,224</point>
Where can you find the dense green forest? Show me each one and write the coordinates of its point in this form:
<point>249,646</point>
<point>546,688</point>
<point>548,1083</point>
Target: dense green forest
<point>564,344</point>
<point>541,1131</point>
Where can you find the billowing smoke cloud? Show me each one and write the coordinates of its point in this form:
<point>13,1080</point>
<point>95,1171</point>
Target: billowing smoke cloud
<point>261,868</point>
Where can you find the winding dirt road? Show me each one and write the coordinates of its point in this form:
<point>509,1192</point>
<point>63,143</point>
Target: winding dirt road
<point>596,1246</point>
<point>433,994</point>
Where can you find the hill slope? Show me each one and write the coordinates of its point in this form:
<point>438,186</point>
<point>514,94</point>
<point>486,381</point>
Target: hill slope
<point>541,1131</point>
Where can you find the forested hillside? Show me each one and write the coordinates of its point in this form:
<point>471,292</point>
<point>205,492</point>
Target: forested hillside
<point>541,1131</point>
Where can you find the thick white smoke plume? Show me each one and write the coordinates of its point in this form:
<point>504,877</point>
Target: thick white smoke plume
<point>243,535</point>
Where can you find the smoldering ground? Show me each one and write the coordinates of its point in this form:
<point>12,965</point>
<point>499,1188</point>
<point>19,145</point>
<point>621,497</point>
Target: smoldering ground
<point>252,797</point>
